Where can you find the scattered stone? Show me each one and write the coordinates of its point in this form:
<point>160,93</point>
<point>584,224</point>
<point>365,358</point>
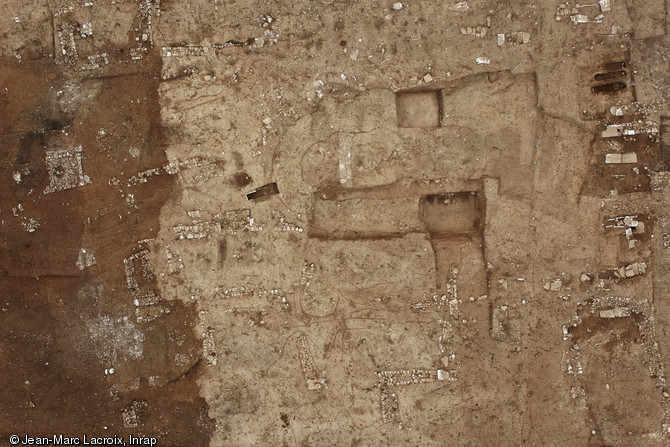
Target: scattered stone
<point>86,258</point>
<point>65,170</point>
<point>477,31</point>
<point>554,285</point>
<point>631,270</point>
<point>616,111</point>
<point>516,38</point>
<point>617,312</point>
<point>132,415</point>
<point>579,18</point>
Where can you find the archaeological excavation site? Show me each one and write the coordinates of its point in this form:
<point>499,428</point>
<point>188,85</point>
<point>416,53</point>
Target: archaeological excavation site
<point>306,223</point>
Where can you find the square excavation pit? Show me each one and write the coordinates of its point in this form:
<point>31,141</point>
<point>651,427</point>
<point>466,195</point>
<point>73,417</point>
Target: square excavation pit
<point>418,109</point>
<point>459,213</point>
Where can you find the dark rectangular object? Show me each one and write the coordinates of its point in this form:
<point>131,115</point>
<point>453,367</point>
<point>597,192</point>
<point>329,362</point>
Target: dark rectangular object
<point>266,190</point>
<point>609,76</point>
<point>610,66</point>
<point>223,251</point>
<point>609,88</point>
<point>665,143</point>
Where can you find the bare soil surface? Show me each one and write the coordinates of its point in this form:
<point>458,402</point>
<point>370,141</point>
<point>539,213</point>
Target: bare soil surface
<point>240,223</point>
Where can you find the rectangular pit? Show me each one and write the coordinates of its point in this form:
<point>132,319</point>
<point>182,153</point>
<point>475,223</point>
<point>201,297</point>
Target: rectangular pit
<point>452,214</point>
<point>418,109</point>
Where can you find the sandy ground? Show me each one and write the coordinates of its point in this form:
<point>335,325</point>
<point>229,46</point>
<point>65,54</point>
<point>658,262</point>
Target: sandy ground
<point>238,223</point>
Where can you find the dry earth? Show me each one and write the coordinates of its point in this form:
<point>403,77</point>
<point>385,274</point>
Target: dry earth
<point>335,223</point>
